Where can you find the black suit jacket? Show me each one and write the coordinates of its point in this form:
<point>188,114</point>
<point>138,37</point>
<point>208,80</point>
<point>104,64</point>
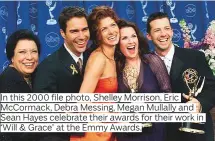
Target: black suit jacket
<point>56,74</point>
<point>182,60</point>
<point>59,73</point>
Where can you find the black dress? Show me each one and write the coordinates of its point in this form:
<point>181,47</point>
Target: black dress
<point>11,81</point>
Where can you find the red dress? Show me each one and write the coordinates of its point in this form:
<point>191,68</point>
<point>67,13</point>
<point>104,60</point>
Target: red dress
<point>104,85</point>
<point>107,85</point>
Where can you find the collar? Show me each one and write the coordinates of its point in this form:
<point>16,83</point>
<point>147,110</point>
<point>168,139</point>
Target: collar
<point>73,55</point>
<point>169,55</point>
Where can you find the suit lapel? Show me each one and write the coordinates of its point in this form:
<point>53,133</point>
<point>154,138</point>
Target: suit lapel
<point>68,61</point>
<point>85,57</point>
<point>177,65</point>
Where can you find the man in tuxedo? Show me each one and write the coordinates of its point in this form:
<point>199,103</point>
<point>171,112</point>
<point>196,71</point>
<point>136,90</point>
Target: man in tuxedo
<point>62,71</point>
<point>177,60</point>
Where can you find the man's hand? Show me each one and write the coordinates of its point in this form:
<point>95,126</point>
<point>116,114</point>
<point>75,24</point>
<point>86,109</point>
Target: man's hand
<point>193,100</point>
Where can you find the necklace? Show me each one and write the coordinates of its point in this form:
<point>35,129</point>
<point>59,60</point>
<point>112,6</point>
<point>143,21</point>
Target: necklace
<point>106,55</point>
<point>28,81</point>
<point>131,74</point>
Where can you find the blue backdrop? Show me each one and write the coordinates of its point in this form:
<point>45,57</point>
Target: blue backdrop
<point>41,17</point>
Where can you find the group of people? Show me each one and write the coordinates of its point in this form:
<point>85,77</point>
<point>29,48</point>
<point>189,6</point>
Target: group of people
<point>120,61</point>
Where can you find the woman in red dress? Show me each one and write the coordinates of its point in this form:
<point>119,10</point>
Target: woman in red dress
<point>100,73</point>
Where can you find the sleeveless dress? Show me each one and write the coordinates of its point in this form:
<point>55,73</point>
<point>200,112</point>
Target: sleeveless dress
<point>104,85</point>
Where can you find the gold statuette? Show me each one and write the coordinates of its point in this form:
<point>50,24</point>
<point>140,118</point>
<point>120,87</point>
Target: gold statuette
<point>191,79</point>
<point>130,75</point>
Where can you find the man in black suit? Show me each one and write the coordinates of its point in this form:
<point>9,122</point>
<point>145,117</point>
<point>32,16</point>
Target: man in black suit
<point>62,71</point>
<point>177,60</point>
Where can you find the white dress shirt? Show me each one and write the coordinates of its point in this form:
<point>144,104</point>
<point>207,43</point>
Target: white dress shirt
<point>73,55</point>
<point>168,58</point>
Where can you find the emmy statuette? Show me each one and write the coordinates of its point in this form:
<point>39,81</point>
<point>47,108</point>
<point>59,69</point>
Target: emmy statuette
<point>130,75</point>
<point>192,80</point>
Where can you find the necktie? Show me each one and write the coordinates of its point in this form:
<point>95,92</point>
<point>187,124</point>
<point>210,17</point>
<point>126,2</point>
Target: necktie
<point>79,63</point>
<point>167,64</point>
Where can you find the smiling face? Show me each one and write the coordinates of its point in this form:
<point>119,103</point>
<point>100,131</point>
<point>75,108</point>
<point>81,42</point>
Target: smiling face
<point>108,32</point>
<point>129,43</point>
<point>161,35</point>
<point>26,56</point>
<point>76,35</point>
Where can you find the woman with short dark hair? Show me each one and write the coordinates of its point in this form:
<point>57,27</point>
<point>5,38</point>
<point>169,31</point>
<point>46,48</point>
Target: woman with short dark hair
<point>22,49</point>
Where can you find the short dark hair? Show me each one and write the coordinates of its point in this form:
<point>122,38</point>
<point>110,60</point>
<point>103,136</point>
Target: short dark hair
<point>99,13</point>
<point>22,34</point>
<point>155,16</point>
<point>68,13</point>
<point>143,45</point>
